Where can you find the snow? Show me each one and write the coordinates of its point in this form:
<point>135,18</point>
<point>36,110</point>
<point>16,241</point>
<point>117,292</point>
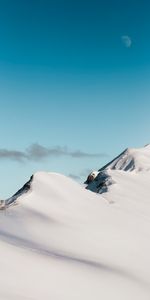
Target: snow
<point>61,241</point>
<point>131,159</point>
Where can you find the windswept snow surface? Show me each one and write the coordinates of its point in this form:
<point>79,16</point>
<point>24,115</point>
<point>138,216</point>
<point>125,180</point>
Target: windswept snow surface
<point>63,242</point>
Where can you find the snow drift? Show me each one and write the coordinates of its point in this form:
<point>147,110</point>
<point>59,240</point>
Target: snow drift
<point>60,241</point>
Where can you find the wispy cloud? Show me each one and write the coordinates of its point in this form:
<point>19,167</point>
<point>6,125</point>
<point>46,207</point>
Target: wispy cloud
<point>126,40</point>
<point>38,152</point>
<point>12,155</point>
<point>75,177</point>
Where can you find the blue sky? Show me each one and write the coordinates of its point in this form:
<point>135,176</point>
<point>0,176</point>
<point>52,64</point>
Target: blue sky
<point>73,74</point>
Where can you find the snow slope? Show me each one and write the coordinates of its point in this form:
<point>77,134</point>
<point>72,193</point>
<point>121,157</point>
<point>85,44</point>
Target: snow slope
<point>64,242</point>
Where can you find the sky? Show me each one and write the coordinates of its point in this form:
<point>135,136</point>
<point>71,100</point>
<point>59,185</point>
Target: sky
<point>74,85</point>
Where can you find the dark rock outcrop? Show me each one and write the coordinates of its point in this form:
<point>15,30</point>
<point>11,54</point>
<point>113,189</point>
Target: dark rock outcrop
<point>20,192</point>
<point>101,183</point>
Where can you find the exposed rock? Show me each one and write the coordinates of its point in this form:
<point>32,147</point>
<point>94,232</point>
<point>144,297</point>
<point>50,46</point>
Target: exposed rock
<point>100,183</point>
<point>19,193</point>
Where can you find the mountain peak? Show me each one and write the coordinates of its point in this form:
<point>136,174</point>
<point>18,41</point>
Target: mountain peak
<point>131,159</point>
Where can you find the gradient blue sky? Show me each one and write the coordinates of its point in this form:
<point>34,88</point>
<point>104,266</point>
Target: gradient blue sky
<point>68,78</point>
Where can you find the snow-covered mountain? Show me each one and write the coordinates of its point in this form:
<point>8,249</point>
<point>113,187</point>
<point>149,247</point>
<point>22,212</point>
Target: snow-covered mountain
<point>61,241</point>
<point>130,160</point>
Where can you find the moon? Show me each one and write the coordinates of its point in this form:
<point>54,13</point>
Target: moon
<point>126,40</point>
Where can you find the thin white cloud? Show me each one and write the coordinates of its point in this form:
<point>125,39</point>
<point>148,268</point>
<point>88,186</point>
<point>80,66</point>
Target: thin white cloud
<point>127,41</point>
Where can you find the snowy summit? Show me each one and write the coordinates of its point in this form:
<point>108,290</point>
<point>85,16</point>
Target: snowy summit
<point>130,160</point>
